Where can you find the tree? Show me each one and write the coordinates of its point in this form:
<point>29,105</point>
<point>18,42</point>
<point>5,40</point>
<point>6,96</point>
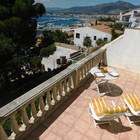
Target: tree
<point>47,51</point>
<point>7,50</point>
<point>114,34</point>
<point>87,41</point>
<point>100,42</point>
<point>60,36</point>
<point>118,26</point>
<point>18,32</point>
<point>47,38</point>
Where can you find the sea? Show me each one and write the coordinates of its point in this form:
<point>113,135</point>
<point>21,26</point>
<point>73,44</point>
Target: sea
<point>47,22</point>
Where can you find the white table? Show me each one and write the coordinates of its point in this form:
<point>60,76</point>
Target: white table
<point>107,77</point>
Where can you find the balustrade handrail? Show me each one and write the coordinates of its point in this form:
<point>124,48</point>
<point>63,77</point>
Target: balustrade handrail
<point>22,100</point>
<point>27,111</point>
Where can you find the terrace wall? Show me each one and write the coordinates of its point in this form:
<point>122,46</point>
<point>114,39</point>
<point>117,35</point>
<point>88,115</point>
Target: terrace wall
<point>124,52</point>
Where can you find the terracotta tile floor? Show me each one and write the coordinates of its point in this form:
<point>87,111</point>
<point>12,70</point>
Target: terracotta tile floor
<point>71,121</point>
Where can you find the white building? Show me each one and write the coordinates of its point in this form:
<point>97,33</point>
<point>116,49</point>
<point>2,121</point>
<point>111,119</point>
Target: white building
<point>132,17</point>
<point>94,32</point>
<point>50,62</point>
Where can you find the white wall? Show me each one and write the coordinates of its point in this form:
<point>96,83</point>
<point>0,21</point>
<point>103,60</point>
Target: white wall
<point>125,53</point>
<point>87,31</point>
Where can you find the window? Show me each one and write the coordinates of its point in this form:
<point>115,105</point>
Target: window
<point>105,39</point>
<point>95,37</point>
<point>77,35</point>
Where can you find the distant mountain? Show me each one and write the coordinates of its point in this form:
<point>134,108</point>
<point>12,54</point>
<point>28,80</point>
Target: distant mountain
<point>105,8</point>
<point>53,9</point>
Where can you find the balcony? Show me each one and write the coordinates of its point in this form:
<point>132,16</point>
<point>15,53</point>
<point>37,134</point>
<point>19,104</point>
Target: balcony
<point>71,121</point>
<point>58,108</point>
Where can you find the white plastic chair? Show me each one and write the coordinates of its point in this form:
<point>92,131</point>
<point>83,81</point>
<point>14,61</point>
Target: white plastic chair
<point>133,103</point>
<point>102,114</point>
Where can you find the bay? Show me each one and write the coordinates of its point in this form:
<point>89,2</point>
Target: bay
<point>53,22</point>
<point>57,20</point>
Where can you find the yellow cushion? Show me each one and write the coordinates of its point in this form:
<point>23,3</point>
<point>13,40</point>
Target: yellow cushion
<point>133,100</point>
<point>117,109</point>
<point>101,108</point>
<point>99,105</point>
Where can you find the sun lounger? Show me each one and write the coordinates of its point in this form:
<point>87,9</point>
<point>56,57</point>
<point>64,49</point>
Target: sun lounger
<point>133,103</point>
<point>101,113</point>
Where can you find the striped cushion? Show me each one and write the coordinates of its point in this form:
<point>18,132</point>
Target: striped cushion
<point>117,109</point>
<point>101,108</point>
<point>133,100</point>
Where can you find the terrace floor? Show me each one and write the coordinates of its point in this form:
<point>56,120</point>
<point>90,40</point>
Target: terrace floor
<point>71,121</point>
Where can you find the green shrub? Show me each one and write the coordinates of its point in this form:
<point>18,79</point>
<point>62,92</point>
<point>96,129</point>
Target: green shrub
<point>47,51</point>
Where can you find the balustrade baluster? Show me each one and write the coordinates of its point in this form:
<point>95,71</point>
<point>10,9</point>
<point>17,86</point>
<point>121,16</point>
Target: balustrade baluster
<point>57,93</point>
<point>41,107</point>
<point>72,81</point>
<point>65,86</point>
<point>87,69</point>
<point>60,89</point>
<point>54,95</point>
<point>90,65</point>
<point>14,125</point>
<point>33,110</point>
<point>84,71</point>
<point>80,74</point>
<point>48,101</point>
<point>41,102</point>
<point>3,135</point>
<point>69,83</point>
<point>76,79</point>
<point>25,117</point>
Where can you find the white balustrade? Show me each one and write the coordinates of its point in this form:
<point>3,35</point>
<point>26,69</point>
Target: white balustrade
<point>36,103</point>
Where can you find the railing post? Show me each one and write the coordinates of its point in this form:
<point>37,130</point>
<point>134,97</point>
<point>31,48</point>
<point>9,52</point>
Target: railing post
<point>76,79</point>
<point>54,95</point>
<point>60,89</point>
<point>33,109</point>
<point>25,116</point>
<point>72,81</point>
<point>15,127</point>
<point>84,71</point>
<point>3,135</point>
<point>69,84</point>
<point>42,105</point>
<point>48,101</point>
<point>63,88</point>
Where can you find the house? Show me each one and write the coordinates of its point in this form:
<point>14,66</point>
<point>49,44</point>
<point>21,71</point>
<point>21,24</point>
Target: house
<point>132,17</point>
<point>94,32</point>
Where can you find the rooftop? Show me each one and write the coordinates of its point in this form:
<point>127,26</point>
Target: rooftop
<point>105,29</point>
<point>71,121</point>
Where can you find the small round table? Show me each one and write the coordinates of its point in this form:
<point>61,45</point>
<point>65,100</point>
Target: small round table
<point>108,76</point>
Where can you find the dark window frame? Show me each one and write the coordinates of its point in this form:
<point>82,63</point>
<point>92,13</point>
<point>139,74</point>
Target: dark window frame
<point>95,38</point>
<point>105,39</point>
<point>77,35</point>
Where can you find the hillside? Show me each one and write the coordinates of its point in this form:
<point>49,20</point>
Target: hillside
<point>105,8</point>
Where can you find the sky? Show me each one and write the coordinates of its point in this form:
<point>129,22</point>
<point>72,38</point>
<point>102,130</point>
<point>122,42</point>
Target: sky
<point>71,3</point>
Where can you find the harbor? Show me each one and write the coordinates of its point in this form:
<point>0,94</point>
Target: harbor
<point>53,22</point>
